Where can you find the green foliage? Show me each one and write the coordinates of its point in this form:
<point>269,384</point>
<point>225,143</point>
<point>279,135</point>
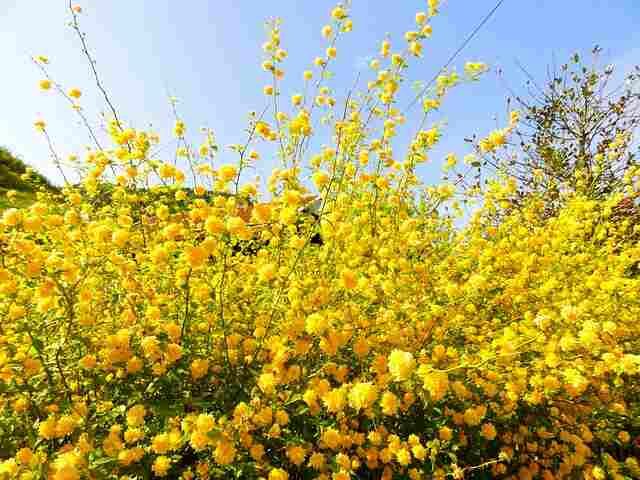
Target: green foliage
<point>11,169</point>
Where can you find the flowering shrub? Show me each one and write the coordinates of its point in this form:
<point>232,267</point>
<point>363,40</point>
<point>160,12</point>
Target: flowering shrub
<point>138,341</point>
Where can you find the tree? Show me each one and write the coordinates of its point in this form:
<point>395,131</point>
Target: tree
<point>575,133</point>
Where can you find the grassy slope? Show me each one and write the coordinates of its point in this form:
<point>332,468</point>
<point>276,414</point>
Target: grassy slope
<point>11,169</point>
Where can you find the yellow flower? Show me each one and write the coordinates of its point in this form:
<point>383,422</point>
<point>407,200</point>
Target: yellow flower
<point>316,324</point>
<point>296,454</point>
<point>475,69</point>
<point>225,452</point>
<point>445,434</point>
<point>317,461</point>
<point>401,365</point>
<point>227,172</point>
<point>161,443</point>
<point>419,452</point>
<point>624,436</point>
<point>389,403</point>
<point>362,395</point>
<point>488,431</point>
<point>433,7</point>
<point>135,415</point>
<point>496,139</point>
<point>267,383</point>
<point>132,435</point>
<point>338,13</point>
<point>514,117</point>
<point>196,256</point>
<point>403,456</point>
<point>40,125</point>
<point>341,475</point>
<point>236,226</point>
<point>161,466</point>
<point>320,179</point>
<point>47,428</point>
<point>205,423</point>
<point>199,368</point>
<point>348,279</point>
<point>278,474</point>
<point>331,438</point>
<point>436,383</point>
<point>473,415</point>
<point>334,400</point>
<point>179,129</point>
<point>75,93</point>
<point>214,225</point>
<point>301,124</point>
<point>415,48</point>
<point>268,272</point>
<point>45,84</point>
<point>385,48</point>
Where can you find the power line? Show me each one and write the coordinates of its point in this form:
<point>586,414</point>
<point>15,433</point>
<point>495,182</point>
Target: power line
<point>456,53</point>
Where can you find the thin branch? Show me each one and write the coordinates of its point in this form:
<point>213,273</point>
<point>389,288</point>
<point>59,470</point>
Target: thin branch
<point>85,49</point>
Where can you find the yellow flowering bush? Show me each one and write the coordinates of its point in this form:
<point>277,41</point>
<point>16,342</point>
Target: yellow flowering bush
<point>166,319</point>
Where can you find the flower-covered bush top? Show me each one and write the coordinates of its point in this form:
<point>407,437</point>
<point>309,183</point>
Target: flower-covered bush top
<point>141,338</point>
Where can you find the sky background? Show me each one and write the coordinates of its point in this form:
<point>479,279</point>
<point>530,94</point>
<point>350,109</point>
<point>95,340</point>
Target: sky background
<point>208,54</point>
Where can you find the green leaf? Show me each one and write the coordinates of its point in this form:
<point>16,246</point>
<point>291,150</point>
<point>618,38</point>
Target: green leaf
<point>327,75</point>
<point>37,344</point>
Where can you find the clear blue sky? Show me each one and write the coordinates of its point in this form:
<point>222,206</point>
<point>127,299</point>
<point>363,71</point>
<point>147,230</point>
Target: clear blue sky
<point>208,54</point>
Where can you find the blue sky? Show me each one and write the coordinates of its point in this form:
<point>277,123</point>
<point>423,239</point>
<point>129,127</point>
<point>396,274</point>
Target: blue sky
<point>207,53</point>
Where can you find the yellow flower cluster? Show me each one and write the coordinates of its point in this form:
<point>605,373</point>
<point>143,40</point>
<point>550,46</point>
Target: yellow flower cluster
<point>156,328</point>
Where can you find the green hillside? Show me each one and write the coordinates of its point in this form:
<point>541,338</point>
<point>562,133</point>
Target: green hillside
<point>12,170</point>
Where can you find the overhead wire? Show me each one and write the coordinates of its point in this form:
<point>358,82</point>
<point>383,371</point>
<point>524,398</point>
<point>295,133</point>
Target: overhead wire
<point>455,54</point>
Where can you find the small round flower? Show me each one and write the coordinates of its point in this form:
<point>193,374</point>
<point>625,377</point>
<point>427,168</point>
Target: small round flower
<point>401,365</point>
<point>179,128</point>
<point>75,93</point>
<point>227,172</point>
<point>389,403</point>
<point>278,474</point>
<point>338,13</point>
<point>161,466</point>
<point>488,431</point>
<point>362,395</point>
<point>267,383</point>
<point>349,279</point>
<point>445,434</point>
<point>224,453</point>
<point>404,457</point>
